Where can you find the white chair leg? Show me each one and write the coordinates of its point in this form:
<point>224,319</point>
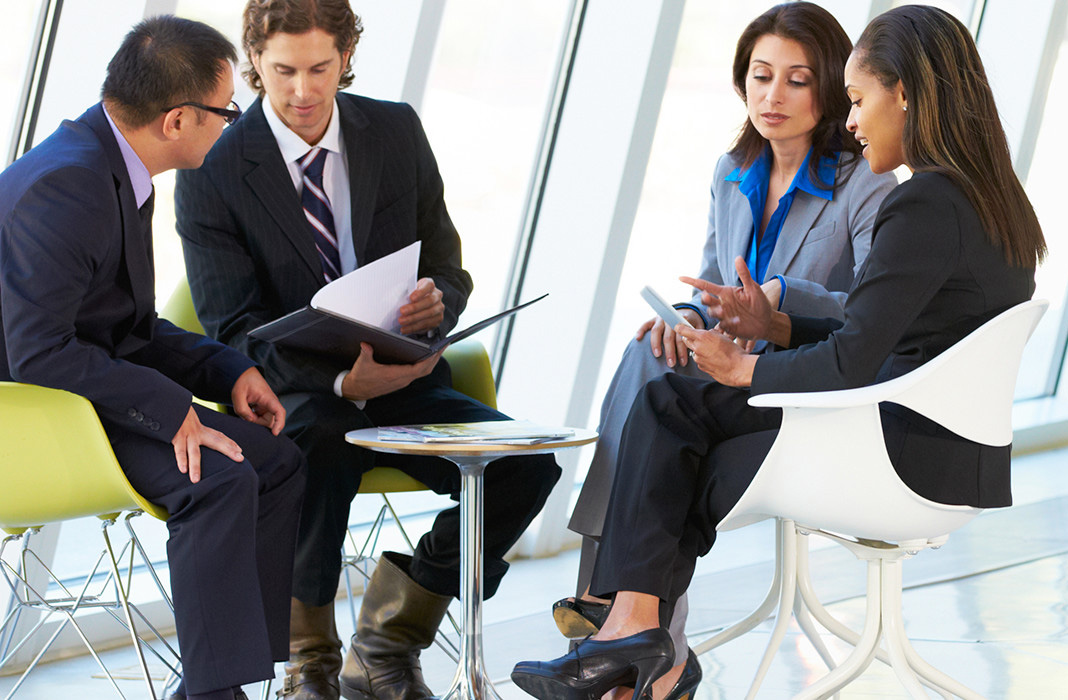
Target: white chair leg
<point>817,609</point>
<point>862,653</point>
<point>893,629</point>
<point>754,618</point>
<point>901,649</point>
<point>801,611</point>
<point>787,589</point>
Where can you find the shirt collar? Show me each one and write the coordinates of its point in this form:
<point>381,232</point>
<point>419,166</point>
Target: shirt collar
<point>293,147</point>
<point>140,179</point>
<point>756,175</point>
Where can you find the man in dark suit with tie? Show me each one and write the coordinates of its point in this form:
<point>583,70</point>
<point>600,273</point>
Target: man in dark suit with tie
<point>310,183</point>
<point>78,310</point>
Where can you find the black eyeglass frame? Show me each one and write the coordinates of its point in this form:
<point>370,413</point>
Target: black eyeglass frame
<point>230,115</point>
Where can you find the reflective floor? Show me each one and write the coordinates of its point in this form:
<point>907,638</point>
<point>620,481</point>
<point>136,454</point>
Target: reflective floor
<point>990,608</point>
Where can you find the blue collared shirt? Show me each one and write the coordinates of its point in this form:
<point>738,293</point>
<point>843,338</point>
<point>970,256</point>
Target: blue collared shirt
<point>753,183</point>
<point>140,179</point>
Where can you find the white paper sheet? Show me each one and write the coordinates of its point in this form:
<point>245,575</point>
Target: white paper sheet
<point>373,293</point>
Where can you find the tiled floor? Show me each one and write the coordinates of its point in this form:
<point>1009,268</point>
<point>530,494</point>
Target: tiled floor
<point>990,608</point>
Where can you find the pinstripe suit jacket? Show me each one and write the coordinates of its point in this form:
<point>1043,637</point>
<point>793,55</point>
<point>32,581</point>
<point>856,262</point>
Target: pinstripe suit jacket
<point>249,251</point>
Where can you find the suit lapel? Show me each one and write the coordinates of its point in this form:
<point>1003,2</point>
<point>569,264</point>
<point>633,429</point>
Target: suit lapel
<point>136,240</point>
<point>803,214</point>
<point>364,155</point>
<point>268,178</point>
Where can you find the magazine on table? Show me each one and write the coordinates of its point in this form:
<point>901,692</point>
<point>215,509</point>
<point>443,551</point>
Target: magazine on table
<point>510,432</point>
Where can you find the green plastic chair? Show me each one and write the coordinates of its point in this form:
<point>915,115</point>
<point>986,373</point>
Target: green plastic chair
<point>472,375</point>
<point>56,464</point>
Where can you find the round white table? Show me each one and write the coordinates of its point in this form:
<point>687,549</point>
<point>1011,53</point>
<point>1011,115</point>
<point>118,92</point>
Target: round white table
<point>470,681</point>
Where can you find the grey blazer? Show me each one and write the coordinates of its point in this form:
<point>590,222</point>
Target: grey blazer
<point>822,244</point>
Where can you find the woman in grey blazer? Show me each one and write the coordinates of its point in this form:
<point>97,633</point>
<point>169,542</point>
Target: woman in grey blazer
<point>792,196</point>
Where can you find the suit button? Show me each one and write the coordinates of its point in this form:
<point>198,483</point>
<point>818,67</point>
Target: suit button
<point>154,426</point>
<point>132,413</point>
<point>140,417</point>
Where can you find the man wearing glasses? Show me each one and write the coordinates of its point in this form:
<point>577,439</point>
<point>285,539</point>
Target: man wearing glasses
<point>77,306</point>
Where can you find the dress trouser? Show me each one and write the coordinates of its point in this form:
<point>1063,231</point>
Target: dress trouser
<point>515,488</point>
<point>637,367</point>
<point>230,551</point>
<point>679,474</point>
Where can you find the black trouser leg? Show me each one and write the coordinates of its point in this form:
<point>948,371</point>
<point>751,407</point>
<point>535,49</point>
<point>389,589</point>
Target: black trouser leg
<point>671,483</point>
<point>230,547</point>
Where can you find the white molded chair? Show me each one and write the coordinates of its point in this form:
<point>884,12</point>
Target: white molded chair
<point>828,473</point>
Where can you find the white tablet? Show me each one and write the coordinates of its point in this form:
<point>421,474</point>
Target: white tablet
<point>664,310</point>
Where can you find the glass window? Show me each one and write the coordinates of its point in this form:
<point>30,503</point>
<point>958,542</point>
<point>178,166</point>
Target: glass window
<point>699,118</point>
<point>1044,187</point>
<point>966,11</point>
<point>20,28</point>
<point>487,95</point>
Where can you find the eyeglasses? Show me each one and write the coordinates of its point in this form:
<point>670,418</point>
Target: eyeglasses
<point>230,115</point>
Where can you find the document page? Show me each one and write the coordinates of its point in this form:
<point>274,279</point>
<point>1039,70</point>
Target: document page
<point>373,293</point>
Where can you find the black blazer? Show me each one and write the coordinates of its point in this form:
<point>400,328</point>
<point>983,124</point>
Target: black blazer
<point>248,248</point>
<point>76,289</point>
<point>932,277</point>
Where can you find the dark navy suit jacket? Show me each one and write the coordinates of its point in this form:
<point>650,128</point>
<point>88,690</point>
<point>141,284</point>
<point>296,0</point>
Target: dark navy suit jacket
<point>76,289</point>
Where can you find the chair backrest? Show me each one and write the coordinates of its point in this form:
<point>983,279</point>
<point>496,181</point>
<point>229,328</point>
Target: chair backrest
<point>829,469</point>
<point>56,462</point>
<point>179,308</point>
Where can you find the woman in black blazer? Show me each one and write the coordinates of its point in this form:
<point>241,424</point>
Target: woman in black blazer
<point>952,247</point>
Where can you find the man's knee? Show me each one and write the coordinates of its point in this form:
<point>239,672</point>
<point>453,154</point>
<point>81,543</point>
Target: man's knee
<point>317,423</point>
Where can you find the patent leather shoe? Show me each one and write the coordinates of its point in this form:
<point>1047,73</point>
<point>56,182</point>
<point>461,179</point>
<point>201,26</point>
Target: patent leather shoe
<point>577,618</point>
<point>686,685</point>
<point>595,667</point>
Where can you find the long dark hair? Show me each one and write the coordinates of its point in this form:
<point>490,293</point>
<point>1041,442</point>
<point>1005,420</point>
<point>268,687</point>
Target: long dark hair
<point>827,47</point>
<point>952,125</point>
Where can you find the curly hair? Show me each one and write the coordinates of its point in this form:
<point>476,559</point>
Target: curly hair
<point>262,18</point>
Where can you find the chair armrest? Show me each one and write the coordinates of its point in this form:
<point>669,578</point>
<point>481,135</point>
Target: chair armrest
<point>842,398</point>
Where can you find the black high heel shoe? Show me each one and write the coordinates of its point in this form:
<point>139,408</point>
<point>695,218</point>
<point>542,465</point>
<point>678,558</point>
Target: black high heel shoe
<point>594,667</point>
<point>688,681</point>
<point>577,618</point>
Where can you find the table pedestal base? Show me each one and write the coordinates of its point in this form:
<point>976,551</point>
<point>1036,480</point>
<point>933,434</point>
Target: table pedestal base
<point>471,681</point>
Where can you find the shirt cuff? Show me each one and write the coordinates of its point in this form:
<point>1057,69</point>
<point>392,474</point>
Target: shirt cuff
<point>782,291</point>
<point>337,390</point>
<point>695,308</point>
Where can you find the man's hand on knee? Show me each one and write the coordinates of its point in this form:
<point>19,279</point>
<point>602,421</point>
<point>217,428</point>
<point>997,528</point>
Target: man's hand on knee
<point>191,436</point>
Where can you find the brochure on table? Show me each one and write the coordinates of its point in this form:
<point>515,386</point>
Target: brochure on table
<point>510,432</point>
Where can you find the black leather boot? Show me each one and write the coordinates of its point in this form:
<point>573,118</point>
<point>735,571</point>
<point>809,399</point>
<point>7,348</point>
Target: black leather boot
<point>314,654</point>
<point>398,619</point>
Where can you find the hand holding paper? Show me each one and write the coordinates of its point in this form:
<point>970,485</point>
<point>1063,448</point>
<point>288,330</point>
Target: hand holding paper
<point>425,309</point>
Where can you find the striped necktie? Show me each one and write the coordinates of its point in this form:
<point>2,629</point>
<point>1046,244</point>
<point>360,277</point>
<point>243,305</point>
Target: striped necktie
<point>317,209</point>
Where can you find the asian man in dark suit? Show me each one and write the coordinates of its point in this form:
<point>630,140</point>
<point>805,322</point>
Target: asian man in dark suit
<point>309,184</point>
<point>78,311</point>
